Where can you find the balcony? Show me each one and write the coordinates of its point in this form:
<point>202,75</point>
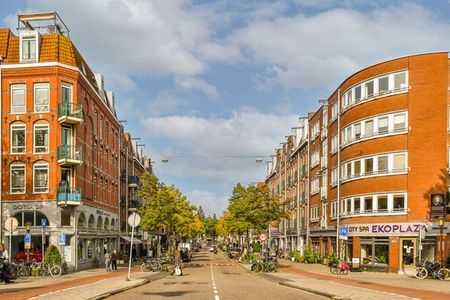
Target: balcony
<point>69,196</point>
<point>70,113</point>
<point>69,155</point>
<point>133,181</point>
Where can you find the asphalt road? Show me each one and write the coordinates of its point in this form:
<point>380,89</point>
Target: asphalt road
<point>209,277</point>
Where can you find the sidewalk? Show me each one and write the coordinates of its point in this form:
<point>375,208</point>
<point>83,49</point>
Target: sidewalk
<point>362,285</point>
<point>88,284</point>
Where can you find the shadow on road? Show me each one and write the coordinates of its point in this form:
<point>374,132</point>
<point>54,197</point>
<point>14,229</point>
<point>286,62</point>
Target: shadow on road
<point>168,294</point>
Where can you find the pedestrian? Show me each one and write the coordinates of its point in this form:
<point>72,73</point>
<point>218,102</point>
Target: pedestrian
<point>5,266</point>
<point>108,261</point>
<point>114,260</point>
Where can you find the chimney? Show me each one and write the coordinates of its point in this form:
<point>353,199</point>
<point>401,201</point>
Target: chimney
<point>100,84</point>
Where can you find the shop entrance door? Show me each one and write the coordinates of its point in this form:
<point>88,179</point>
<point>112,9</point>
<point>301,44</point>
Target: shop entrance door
<point>408,254</point>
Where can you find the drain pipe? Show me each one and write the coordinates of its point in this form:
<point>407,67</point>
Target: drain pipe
<point>338,192</point>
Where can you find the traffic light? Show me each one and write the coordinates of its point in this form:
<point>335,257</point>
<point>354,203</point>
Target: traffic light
<point>28,226</point>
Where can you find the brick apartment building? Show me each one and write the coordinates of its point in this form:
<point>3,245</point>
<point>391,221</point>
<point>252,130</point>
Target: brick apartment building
<point>60,143</point>
<point>378,162</point>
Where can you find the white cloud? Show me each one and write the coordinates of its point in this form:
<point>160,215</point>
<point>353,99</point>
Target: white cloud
<point>321,50</point>
<point>189,83</point>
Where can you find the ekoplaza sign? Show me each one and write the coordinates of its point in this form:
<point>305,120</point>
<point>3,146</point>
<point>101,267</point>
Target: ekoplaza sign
<point>406,229</point>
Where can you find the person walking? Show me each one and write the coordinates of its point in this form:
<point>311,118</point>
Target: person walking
<point>114,260</point>
<point>5,271</point>
<point>108,261</point>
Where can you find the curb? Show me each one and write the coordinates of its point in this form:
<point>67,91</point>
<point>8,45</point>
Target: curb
<point>320,293</point>
<point>110,293</point>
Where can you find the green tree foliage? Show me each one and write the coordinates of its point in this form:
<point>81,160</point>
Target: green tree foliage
<point>250,208</point>
<point>210,225</point>
<point>52,255</point>
<point>167,206</point>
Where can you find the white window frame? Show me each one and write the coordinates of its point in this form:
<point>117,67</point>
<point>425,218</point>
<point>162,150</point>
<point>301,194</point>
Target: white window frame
<point>334,144</point>
<point>314,213</point>
<point>18,127</point>
<point>45,147</point>
<point>21,166</point>
<point>334,111</point>
<point>315,130</point>
<point>315,158</point>
<point>334,177</point>
<point>29,37</point>
<point>346,213</point>
<point>348,97</point>
<point>40,166</point>
<point>315,186</point>
<point>333,212</point>
<point>14,108</point>
<point>41,86</point>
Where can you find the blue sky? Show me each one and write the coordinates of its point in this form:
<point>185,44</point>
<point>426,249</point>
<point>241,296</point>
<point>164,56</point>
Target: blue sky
<point>202,80</point>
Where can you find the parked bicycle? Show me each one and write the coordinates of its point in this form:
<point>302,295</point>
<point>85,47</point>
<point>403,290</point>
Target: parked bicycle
<point>264,265</point>
<point>340,268</point>
<point>46,269</point>
<point>434,270</point>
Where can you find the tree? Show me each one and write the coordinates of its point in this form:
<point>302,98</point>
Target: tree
<point>200,213</point>
<point>210,225</point>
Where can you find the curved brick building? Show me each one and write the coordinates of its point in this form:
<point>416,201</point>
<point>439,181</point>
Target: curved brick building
<point>378,164</point>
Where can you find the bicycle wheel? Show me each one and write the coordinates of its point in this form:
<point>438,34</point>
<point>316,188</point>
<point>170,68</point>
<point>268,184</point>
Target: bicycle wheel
<point>443,274</point>
<point>55,271</point>
<point>344,271</point>
<point>271,267</point>
<point>144,267</point>
<point>24,271</point>
<point>421,273</point>
<point>334,269</point>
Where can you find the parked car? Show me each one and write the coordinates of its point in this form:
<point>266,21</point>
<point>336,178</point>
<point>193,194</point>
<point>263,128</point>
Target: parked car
<point>33,256</point>
<point>195,248</point>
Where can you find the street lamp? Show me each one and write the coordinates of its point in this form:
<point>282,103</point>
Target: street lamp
<point>441,237</point>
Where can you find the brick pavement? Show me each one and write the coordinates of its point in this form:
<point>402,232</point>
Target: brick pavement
<point>93,280</point>
<point>316,278</point>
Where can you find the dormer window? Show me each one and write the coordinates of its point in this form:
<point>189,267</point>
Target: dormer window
<point>29,48</point>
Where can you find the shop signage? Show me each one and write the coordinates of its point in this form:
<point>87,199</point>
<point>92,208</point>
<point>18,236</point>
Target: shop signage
<point>27,206</point>
<point>388,229</point>
<point>102,213</point>
<point>343,233</point>
<point>437,210</point>
<point>275,233</point>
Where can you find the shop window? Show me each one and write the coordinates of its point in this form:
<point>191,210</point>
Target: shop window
<point>375,252</point>
<point>90,249</point>
<point>81,253</point>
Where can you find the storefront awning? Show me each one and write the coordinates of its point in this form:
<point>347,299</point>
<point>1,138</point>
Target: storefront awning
<point>128,239</point>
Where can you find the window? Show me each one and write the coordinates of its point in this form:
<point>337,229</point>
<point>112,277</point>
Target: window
<point>66,91</point>
<point>368,89</point>
<point>18,138</point>
<point>315,130</point>
<point>383,125</point>
<point>368,204</point>
<point>65,217</point>
<point>383,164</point>
<point>382,203</point>
<point>357,129</point>
<point>334,177</point>
<point>314,185</point>
<point>348,167</point>
<point>400,80</point>
<point>314,213</point>
<point>368,166</point>
<point>358,93</point>
<point>17,179</point>
<point>334,111</point>
<point>315,158</point>
<point>383,84</point>
<point>368,128</point>
<point>399,121</point>
<point>357,165</point>
<point>334,144</point>
<point>399,202</point>
<point>18,97</point>
<point>399,162</point>
<point>29,48</point>
<point>348,206</point>
<point>357,205</point>
<point>333,209</point>
<point>41,138</point>
<point>41,97</point>
<point>40,178</point>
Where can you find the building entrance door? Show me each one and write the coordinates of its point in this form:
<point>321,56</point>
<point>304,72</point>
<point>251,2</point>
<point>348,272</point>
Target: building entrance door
<point>408,254</point>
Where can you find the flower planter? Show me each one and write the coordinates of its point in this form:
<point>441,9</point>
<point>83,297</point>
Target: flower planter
<point>292,258</point>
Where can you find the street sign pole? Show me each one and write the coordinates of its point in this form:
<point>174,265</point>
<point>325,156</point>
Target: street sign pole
<point>133,220</point>
<point>9,240</point>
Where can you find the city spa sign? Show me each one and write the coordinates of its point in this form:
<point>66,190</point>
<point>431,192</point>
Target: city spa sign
<point>396,229</point>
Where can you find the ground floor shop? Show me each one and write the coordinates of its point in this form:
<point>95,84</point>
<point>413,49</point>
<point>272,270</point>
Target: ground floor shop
<point>395,247</point>
<point>82,234</point>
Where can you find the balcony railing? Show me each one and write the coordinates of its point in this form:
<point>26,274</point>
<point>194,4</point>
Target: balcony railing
<point>70,155</point>
<point>69,196</point>
<point>133,181</point>
<point>70,113</point>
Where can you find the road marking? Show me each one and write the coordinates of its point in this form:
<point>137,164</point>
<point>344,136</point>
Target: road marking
<point>216,294</point>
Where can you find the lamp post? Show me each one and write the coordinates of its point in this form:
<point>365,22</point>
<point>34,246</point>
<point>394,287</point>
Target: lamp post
<point>441,240</point>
